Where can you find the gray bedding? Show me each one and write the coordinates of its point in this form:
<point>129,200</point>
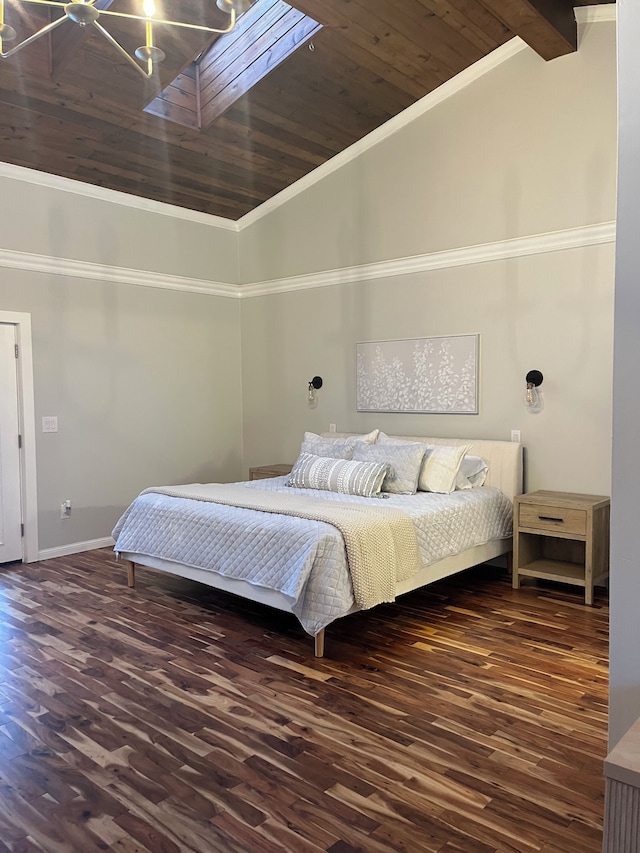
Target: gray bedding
<point>303,560</point>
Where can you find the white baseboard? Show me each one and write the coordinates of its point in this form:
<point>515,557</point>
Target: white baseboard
<point>76,548</point>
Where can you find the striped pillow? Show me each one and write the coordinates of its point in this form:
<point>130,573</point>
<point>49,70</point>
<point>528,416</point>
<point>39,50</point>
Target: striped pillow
<point>338,475</point>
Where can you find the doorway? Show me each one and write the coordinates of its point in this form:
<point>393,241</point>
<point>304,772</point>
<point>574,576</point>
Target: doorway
<point>10,444</point>
<point>18,491</point>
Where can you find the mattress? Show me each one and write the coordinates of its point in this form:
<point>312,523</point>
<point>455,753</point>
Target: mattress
<point>301,559</point>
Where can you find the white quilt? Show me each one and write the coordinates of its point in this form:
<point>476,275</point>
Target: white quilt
<point>303,559</point>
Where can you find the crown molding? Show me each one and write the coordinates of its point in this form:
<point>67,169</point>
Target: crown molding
<point>68,185</point>
<point>407,116</point>
<point>10,259</point>
<point>555,241</point>
<point>584,14</point>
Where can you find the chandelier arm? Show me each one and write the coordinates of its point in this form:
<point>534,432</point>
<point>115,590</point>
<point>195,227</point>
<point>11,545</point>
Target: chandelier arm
<point>122,51</point>
<point>42,32</point>
<point>129,16</point>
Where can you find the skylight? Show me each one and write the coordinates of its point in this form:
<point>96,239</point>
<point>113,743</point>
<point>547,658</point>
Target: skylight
<point>264,36</point>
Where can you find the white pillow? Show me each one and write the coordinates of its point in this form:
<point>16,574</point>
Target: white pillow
<point>440,467</point>
<point>472,473</point>
<point>404,461</point>
<point>346,476</point>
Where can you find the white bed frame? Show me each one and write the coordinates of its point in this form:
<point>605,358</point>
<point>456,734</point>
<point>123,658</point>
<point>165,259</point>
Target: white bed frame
<point>505,472</point>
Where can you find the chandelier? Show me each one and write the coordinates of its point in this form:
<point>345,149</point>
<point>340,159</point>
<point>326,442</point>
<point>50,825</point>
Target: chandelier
<point>85,14</point>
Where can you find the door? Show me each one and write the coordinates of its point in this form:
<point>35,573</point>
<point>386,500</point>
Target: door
<point>10,505</point>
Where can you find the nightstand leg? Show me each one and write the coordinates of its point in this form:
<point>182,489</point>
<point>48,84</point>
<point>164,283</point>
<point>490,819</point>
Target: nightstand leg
<point>511,566</point>
<point>588,589</point>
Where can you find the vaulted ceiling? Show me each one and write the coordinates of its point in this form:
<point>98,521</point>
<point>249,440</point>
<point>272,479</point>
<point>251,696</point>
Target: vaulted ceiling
<point>70,106</point>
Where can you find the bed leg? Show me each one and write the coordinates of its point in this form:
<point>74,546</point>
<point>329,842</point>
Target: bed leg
<point>319,644</point>
<point>131,573</point>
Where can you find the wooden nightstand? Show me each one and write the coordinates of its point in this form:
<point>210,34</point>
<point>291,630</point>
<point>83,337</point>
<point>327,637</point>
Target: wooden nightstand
<point>561,536</point>
<point>262,472</point>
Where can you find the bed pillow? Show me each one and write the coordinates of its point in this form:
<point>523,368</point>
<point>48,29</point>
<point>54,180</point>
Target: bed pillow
<point>472,473</point>
<point>329,448</point>
<point>346,476</point>
<point>368,437</point>
<point>404,461</point>
<point>340,447</point>
<point>440,467</point>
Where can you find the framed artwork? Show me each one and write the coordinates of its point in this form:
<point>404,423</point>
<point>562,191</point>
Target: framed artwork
<point>437,375</point>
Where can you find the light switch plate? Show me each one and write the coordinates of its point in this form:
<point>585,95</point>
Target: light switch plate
<point>50,424</point>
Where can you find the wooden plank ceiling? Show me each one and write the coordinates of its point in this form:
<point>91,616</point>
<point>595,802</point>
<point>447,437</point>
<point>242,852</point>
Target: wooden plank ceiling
<point>70,106</point>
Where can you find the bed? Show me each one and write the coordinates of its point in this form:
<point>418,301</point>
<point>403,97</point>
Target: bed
<point>292,549</point>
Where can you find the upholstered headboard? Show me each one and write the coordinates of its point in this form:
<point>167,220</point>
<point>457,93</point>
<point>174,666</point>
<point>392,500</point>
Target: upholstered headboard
<point>504,458</point>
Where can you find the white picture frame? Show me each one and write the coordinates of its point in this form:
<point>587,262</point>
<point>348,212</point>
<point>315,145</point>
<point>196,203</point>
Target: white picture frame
<point>435,375</point>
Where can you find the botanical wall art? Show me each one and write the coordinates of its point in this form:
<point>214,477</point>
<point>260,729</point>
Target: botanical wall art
<point>436,375</point>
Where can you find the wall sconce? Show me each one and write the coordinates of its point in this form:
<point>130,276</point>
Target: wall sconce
<point>533,397</point>
<point>314,385</point>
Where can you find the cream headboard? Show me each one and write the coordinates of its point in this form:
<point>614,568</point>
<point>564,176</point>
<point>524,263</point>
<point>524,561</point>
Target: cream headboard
<point>504,458</point>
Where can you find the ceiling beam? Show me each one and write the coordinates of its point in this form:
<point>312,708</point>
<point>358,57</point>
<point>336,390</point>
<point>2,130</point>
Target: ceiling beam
<point>547,26</point>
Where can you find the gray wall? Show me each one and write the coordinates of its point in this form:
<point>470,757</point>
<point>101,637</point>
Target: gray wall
<point>157,386</point>
<point>625,577</point>
<point>145,382</point>
<point>47,221</point>
<point>552,312</point>
<point>528,149</point>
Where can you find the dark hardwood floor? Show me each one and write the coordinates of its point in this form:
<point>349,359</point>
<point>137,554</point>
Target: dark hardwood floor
<point>466,718</point>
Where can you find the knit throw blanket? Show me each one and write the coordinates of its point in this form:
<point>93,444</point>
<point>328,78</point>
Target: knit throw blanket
<point>380,541</point>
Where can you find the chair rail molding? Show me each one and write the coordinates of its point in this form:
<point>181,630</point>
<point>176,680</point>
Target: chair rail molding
<point>554,241</point>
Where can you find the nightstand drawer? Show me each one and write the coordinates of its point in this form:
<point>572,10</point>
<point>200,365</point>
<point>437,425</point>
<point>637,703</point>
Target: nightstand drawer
<point>553,519</point>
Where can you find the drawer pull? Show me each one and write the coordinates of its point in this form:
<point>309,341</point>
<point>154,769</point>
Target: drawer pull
<point>549,518</point>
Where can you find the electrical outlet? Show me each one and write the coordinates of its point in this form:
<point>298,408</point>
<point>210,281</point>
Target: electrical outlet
<point>515,435</point>
<point>332,427</point>
<point>65,509</point>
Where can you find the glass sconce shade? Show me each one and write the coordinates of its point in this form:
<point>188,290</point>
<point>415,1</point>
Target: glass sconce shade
<point>314,385</point>
<point>532,396</point>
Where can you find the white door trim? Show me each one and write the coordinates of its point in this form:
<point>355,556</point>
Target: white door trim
<point>26,413</point>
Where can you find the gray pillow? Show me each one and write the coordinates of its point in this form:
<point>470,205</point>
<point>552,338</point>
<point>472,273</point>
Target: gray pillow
<point>345,476</point>
<point>404,460</point>
<point>340,447</point>
<point>330,448</point>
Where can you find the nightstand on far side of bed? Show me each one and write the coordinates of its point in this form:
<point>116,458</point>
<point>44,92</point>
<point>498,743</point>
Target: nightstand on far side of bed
<point>263,472</point>
<point>561,536</point>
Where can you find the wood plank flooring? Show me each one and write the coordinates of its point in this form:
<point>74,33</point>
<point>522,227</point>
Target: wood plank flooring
<point>466,718</point>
